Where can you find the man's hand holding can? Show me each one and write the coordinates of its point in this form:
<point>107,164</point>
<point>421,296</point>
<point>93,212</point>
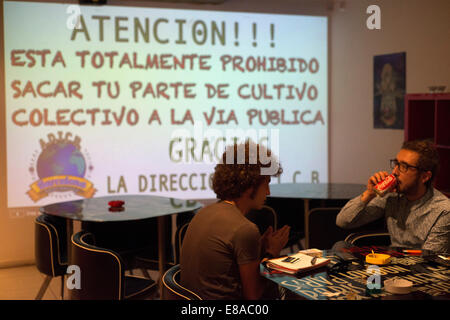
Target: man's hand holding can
<point>380,183</point>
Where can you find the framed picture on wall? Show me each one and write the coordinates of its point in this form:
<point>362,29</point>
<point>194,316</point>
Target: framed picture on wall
<point>389,87</point>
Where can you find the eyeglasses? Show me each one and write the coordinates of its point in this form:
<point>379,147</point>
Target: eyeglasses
<point>402,166</point>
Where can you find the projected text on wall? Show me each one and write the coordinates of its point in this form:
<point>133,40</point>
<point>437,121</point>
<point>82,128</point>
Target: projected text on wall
<point>121,100</point>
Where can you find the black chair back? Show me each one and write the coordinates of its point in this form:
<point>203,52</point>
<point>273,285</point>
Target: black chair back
<point>369,238</point>
<point>102,270</point>
<point>50,245</point>
<point>324,233</point>
<point>290,211</point>
<point>179,237</point>
<point>263,218</point>
<point>131,239</point>
<point>173,290</point>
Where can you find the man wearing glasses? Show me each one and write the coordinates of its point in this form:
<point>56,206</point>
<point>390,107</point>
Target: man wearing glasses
<point>417,215</point>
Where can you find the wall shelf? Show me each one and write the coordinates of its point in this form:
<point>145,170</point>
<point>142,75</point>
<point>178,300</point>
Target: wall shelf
<point>427,116</point>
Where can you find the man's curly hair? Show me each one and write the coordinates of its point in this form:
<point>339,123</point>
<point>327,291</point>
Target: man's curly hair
<point>239,171</point>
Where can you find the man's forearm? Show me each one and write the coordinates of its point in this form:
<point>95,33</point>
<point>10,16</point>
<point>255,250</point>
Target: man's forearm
<point>358,212</point>
<point>367,196</point>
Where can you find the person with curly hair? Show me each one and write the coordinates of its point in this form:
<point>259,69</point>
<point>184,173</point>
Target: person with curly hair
<point>222,249</point>
<point>417,215</point>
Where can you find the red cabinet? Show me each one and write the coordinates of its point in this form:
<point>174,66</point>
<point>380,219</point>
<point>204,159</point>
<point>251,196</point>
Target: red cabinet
<point>428,116</point>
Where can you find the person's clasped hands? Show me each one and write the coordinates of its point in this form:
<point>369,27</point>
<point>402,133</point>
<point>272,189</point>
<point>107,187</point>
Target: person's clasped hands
<point>274,241</point>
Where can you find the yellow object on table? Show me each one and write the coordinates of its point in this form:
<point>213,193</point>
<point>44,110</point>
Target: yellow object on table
<point>378,258</point>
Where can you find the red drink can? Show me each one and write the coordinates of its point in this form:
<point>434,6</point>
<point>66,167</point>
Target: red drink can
<point>384,186</point>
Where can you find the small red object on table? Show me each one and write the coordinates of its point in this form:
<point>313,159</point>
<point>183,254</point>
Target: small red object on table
<point>116,203</point>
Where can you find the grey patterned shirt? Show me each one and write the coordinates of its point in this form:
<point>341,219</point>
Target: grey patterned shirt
<point>421,224</point>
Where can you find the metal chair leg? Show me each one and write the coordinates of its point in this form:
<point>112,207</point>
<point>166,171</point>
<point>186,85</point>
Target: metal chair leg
<point>62,287</point>
<point>43,288</point>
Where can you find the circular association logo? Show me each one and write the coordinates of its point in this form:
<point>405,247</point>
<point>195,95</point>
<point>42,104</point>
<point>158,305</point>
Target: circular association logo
<point>60,169</point>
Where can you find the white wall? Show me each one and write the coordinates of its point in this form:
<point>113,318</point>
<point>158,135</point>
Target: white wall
<point>418,27</point>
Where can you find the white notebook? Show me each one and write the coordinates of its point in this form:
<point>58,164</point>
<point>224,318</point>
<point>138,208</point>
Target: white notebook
<point>295,263</point>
